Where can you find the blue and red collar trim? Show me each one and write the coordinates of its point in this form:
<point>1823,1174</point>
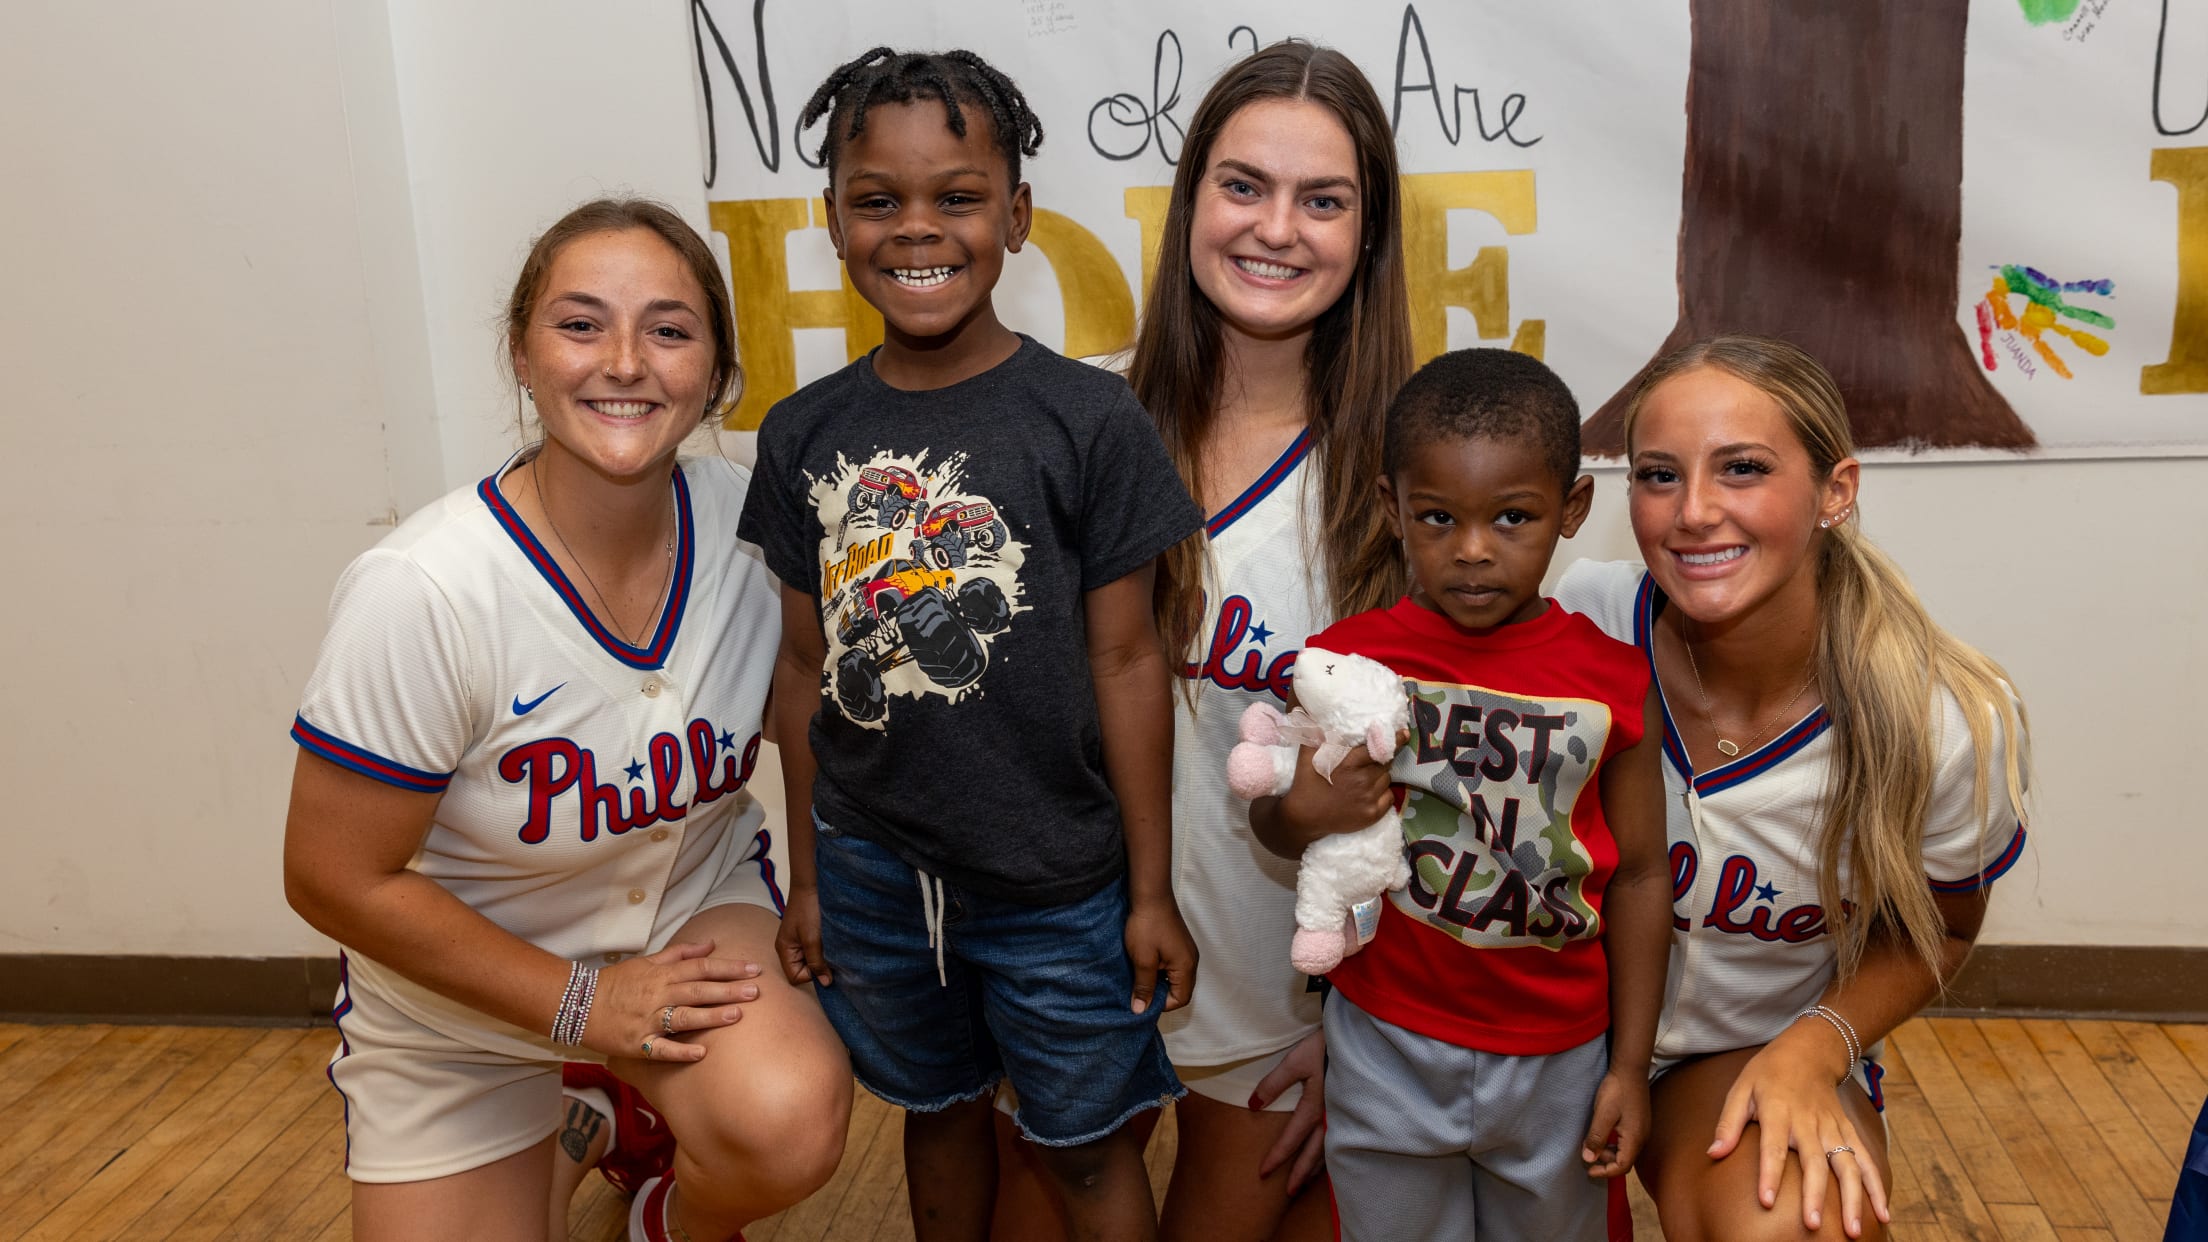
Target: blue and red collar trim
<point>654,653</point>
<point>1274,475</point>
<point>1804,731</point>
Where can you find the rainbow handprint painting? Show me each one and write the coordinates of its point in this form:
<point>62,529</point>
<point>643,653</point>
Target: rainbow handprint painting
<point>2046,303</point>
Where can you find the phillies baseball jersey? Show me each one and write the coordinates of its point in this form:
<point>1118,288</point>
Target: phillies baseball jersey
<point>593,791</point>
<point>1265,590</point>
<point>1750,947</point>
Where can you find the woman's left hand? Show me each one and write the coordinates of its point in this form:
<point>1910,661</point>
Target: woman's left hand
<point>1305,1138</point>
<point>1789,1091</point>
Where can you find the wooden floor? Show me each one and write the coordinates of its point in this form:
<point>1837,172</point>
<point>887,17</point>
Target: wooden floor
<point>2020,1131</point>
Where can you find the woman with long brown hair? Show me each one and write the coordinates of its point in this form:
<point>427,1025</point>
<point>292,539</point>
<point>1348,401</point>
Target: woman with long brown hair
<point>1845,781</point>
<point>1275,331</point>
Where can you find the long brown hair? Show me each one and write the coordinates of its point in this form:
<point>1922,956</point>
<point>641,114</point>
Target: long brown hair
<point>615,215</point>
<point>1358,355</point>
<point>1881,661</point>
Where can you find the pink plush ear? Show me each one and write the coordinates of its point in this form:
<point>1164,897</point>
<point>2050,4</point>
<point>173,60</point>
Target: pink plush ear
<point>1250,771</point>
<point>1379,741</point>
<point>1261,724</point>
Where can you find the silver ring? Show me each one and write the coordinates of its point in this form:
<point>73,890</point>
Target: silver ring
<point>1838,1150</point>
<point>667,1019</point>
<point>647,1050</point>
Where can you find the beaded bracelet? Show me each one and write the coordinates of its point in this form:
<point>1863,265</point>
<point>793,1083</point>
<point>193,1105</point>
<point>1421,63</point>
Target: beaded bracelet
<point>574,1011</point>
<point>1840,1024</point>
<point>560,1016</point>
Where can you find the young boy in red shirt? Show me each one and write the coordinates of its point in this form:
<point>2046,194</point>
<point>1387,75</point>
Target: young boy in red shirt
<point>1488,1052</point>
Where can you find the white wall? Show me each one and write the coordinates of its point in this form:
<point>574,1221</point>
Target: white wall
<point>253,255</point>
<point>198,436</point>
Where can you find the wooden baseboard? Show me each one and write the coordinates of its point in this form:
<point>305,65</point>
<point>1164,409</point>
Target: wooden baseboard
<point>2162,984</point>
<point>2145,983</point>
<point>270,991</point>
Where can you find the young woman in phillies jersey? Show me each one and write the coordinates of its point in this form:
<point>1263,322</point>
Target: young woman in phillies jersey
<point>1845,781</point>
<point>1275,331</point>
<point>519,804</point>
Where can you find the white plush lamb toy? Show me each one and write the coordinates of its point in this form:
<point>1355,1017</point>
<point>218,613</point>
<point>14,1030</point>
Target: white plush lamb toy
<point>1342,701</point>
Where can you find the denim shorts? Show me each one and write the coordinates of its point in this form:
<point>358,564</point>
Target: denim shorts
<point>1036,994</point>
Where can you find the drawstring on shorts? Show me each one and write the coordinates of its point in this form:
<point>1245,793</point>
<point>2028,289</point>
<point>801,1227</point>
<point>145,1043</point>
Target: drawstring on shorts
<point>931,912</point>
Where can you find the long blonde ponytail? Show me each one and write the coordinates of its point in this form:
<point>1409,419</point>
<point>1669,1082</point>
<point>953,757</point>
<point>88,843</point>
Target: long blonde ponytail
<point>1882,662</point>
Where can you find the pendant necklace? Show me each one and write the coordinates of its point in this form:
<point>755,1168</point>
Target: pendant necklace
<point>674,521</point>
<point>1725,745</point>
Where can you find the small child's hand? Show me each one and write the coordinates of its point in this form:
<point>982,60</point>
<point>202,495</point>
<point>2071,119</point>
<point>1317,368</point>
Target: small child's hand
<point>1619,1127</point>
<point>797,941</point>
<point>1158,941</point>
<point>1359,793</point>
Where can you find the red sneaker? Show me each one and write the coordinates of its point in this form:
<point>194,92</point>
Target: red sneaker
<point>643,1147</point>
<point>648,1212</point>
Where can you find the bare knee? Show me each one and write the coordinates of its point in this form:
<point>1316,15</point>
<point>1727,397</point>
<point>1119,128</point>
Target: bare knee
<point>781,1136</point>
<point>1712,1211</point>
<point>1088,1170</point>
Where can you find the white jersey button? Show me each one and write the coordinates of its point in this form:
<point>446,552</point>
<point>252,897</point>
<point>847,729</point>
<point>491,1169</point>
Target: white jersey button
<point>659,834</point>
<point>611,958</point>
<point>636,896</point>
<point>651,687</point>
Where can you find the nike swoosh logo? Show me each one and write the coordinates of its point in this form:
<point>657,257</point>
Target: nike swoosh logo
<point>523,709</point>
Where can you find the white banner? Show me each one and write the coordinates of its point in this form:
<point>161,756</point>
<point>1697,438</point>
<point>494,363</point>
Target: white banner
<point>1990,219</point>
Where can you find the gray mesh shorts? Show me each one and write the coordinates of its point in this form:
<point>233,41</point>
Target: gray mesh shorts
<point>1428,1140</point>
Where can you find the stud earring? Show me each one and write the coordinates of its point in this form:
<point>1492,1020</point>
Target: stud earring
<point>1824,524</point>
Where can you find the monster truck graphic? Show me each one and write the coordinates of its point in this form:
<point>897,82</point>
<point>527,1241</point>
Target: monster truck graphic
<point>892,492</point>
<point>920,579</point>
<point>950,528</point>
<point>910,613</point>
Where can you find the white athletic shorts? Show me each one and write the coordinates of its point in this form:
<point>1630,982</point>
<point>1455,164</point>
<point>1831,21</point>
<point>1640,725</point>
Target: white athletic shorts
<point>1236,1081</point>
<point>427,1097</point>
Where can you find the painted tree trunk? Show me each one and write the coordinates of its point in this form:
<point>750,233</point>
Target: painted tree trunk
<point>1823,205</point>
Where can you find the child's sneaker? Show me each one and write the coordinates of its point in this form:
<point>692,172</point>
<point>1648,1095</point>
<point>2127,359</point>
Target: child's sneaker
<point>642,1147</point>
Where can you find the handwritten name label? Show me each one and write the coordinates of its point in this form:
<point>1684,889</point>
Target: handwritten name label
<point>1049,17</point>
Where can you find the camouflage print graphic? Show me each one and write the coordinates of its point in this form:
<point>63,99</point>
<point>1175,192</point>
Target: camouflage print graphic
<point>917,578</point>
<point>1491,781</point>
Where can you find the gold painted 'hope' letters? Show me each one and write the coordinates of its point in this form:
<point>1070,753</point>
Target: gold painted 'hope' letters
<point>1099,305</point>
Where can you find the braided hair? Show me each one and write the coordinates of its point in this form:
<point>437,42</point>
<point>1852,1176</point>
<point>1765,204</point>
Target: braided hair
<point>885,76</point>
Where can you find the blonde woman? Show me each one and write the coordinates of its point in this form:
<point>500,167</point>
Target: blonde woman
<point>1844,778</point>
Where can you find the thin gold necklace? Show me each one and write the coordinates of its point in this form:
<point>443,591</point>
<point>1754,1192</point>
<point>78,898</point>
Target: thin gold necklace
<point>1725,745</point>
<point>673,521</point>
